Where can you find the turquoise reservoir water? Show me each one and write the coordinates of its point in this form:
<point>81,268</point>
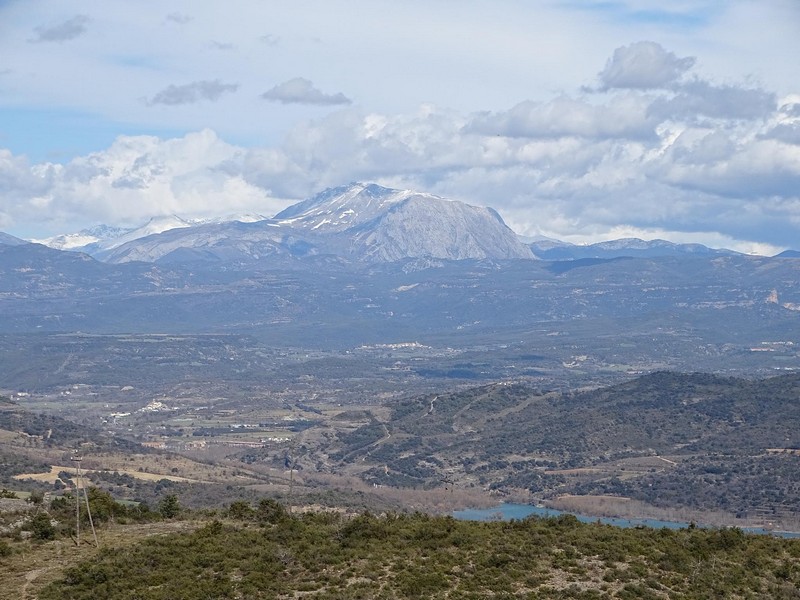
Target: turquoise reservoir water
<point>507,512</point>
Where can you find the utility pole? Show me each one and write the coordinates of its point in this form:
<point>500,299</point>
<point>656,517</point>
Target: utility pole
<point>292,463</point>
<point>292,459</point>
<point>77,460</point>
<point>78,485</point>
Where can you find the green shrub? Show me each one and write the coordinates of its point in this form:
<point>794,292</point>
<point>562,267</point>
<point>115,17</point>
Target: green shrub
<point>169,507</point>
<point>240,510</point>
<point>42,528</point>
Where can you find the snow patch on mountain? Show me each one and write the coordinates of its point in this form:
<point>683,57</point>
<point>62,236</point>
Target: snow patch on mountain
<point>101,239</point>
<point>85,237</point>
<point>154,225</point>
<point>246,218</point>
<point>361,221</point>
<point>341,208</point>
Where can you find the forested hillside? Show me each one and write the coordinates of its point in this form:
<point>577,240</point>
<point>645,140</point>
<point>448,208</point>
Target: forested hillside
<point>673,440</point>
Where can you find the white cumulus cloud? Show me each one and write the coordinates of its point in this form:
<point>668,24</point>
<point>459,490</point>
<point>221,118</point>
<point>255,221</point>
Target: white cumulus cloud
<point>622,117</point>
<point>135,178</point>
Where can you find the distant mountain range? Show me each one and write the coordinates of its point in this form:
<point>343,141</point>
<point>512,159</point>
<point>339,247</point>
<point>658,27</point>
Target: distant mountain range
<point>631,247</point>
<point>788,254</point>
<point>318,276</point>
<point>360,222</point>
<point>103,238</point>
<point>223,284</point>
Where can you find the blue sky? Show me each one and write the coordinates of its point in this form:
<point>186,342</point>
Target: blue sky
<point>583,121</point>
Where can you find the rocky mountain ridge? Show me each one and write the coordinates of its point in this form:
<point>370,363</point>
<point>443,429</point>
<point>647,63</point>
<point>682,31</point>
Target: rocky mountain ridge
<point>360,221</point>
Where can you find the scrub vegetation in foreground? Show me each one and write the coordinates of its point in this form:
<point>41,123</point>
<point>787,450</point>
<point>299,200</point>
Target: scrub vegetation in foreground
<point>262,551</point>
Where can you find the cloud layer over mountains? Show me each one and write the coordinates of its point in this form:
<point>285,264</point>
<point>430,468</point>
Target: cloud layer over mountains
<point>651,146</point>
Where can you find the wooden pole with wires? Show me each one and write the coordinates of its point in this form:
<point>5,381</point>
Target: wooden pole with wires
<point>77,461</point>
<point>91,522</point>
<point>292,463</point>
<point>78,485</point>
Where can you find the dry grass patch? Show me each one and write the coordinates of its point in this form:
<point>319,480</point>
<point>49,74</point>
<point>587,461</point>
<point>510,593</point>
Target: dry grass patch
<point>52,475</point>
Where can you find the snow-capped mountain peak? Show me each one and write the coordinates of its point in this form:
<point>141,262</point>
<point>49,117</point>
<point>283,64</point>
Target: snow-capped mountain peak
<point>102,238</point>
<point>360,221</point>
<point>154,225</point>
<point>85,237</point>
<point>375,223</point>
<point>105,237</point>
<point>341,208</point>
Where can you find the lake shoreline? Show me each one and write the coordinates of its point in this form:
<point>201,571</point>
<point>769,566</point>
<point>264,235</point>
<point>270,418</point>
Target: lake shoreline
<point>511,511</point>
